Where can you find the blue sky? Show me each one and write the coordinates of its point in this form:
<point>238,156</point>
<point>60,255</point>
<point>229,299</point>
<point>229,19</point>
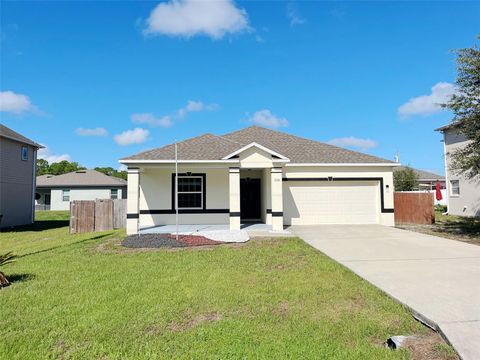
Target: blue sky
<point>80,77</point>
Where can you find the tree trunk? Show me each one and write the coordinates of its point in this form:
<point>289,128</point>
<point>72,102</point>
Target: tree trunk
<point>3,280</point>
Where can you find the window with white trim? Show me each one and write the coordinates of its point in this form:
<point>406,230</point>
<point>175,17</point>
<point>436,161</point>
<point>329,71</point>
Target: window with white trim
<point>454,187</point>
<point>114,194</point>
<point>66,194</point>
<point>190,192</point>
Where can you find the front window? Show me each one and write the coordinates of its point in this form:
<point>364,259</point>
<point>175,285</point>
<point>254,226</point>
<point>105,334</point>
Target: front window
<point>190,192</point>
<point>24,153</point>
<point>66,195</point>
<point>454,187</point>
<point>114,194</point>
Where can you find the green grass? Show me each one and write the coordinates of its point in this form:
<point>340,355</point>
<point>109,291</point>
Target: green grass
<point>274,298</point>
<point>458,227</point>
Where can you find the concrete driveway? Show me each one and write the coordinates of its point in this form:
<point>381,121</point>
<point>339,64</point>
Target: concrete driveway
<point>439,279</point>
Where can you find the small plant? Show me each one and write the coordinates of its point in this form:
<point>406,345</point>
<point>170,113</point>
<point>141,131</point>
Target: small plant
<point>441,208</point>
<point>4,260</point>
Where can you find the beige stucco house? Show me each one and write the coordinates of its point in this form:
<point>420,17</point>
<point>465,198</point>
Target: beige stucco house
<point>463,194</point>
<point>56,192</point>
<point>257,174</point>
<point>18,157</point>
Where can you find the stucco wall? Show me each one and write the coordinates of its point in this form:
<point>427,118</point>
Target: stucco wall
<point>16,183</point>
<point>57,202</point>
<point>468,202</point>
<point>156,194</point>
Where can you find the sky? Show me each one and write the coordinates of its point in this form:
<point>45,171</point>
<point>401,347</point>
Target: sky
<point>100,80</point>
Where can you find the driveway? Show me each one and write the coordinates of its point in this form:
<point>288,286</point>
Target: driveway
<point>439,279</point>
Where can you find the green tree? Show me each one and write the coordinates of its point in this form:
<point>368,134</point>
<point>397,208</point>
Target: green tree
<point>64,167</point>
<point>112,172</point>
<point>465,105</point>
<point>405,179</point>
<point>42,167</point>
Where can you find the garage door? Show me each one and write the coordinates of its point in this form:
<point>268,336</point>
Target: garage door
<point>333,202</point>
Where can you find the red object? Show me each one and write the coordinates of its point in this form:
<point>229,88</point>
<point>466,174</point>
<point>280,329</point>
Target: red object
<point>438,191</point>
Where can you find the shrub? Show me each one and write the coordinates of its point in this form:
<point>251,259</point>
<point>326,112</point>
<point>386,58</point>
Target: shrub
<point>4,260</point>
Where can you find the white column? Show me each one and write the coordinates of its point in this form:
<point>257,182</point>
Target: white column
<point>133,195</point>
<point>276,189</point>
<point>234,186</point>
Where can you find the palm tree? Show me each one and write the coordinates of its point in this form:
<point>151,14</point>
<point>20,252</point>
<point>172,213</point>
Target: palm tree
<point>5,259</point>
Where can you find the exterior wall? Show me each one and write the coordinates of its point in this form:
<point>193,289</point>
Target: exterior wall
<point>255,158</point>
<point>57,202</point>
<point>468,202</point>
<point>156,196</point>
<point>266,197</point>
<point>17,179</point>
<point>385,173</point>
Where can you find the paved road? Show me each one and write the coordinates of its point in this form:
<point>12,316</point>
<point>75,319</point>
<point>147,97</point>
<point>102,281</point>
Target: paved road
<point>439,279</point>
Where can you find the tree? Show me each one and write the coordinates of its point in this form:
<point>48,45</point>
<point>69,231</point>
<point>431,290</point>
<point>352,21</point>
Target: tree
<point>64,167</point>
<point>4,260</point>
<point>465,105</point>
<point>112,172</point>
<point>405,179</point>
<point>42,167</point>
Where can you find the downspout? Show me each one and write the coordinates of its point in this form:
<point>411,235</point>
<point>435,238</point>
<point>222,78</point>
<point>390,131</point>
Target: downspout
<point>34,182</point>
<point>447,183</point>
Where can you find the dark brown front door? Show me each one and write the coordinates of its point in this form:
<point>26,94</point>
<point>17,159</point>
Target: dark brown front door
<point>250,199</point>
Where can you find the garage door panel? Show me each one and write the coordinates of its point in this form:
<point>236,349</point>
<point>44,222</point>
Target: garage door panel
<point>309,203</point>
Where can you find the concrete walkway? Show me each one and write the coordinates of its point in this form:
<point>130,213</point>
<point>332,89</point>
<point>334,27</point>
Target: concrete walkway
<point>439,279</point>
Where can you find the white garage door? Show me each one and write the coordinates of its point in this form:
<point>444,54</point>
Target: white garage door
<point>335,202</point>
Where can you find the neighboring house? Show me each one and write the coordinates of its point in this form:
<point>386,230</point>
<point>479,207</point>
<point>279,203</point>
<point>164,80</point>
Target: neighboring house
<point>54,192</point>
<point>18,157</point>
<point>427,181</point>
<point>256,174</point>
<point>463,194</point>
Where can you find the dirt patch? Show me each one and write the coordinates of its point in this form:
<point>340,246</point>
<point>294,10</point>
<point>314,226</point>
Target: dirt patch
<point>429,346</point>
<point>61,349</point>
<point>194,321</point>
<point>282,309</point>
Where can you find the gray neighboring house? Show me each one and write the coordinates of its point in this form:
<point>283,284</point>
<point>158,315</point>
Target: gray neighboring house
<point>426,179</point>
<point>18,157</point>
<point>54,192</point>
<point>463,194</point>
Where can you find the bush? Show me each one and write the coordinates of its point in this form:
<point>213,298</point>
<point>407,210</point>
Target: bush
<point>4,260</point>
<point>441,208</point>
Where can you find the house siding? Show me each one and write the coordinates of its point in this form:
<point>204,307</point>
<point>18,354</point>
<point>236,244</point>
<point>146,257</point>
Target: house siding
<point>468,202</point>
<point>56,195</point>
<point>16,183</point>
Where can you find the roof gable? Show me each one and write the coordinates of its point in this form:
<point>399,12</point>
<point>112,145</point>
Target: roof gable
<point>258,146</point>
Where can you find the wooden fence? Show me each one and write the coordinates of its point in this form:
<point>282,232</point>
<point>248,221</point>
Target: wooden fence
<point>97,215</point>
<point>414,208</point>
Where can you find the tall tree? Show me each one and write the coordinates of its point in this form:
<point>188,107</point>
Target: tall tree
<point>64,167</point>
<point>42,167</point>
<point>112,172</point>
<point>465,105</point>
<point>405,179</point>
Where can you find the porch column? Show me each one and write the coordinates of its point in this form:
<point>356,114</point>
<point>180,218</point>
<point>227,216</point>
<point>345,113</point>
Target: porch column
<point>133,195</point>
<point>234,186</point>
<point>276,189</point>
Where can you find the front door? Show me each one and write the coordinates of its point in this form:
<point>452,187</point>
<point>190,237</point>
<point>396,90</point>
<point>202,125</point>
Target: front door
<point>250,199</point>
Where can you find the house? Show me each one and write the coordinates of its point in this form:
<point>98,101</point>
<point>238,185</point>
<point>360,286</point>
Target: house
<point>463,194</point>
<point>18,157</point>
<point>427,181</point>
<point>257,174</point>
<point>54,192</point>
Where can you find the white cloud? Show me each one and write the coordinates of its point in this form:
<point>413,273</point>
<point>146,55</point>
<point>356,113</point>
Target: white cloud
<point>294,16</point>
<point>359,143</point>
<point>122,167</point>
<point>266,118</point>
<point>187,18</point>
<point>151,120</point>
<point>428,104</point>
<point>15,103</point>
<point>91,132</point>
<point>134,136</point>
<point>52,158</point>
<point>195,106</point>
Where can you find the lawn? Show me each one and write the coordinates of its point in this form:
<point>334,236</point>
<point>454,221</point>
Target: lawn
<point>451,227</point>
<point>86,297</point>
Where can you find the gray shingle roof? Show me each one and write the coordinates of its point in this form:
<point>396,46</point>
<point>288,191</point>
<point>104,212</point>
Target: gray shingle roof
<point>87,178</point>
<point>297,149</point>
<point>422,174</point>
<point>13,135</point>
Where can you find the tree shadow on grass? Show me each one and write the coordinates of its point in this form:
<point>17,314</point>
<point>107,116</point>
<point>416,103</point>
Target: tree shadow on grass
<point>40,225</point>
<point>463,226</point>
<point>17,278</point>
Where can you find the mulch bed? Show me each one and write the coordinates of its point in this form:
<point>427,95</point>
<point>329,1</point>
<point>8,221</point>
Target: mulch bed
<point>166,240</point>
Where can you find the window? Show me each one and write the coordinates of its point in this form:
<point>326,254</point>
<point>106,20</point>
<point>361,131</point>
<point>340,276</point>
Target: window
<point>454,187</point>
<point>66,195</point>
<point>24,153</point>
<point>114,194</point>
<point>190,192</point>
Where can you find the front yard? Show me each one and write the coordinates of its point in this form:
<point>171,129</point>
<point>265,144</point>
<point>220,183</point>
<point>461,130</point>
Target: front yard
<point>86,297</point>
<point>450,227</point>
